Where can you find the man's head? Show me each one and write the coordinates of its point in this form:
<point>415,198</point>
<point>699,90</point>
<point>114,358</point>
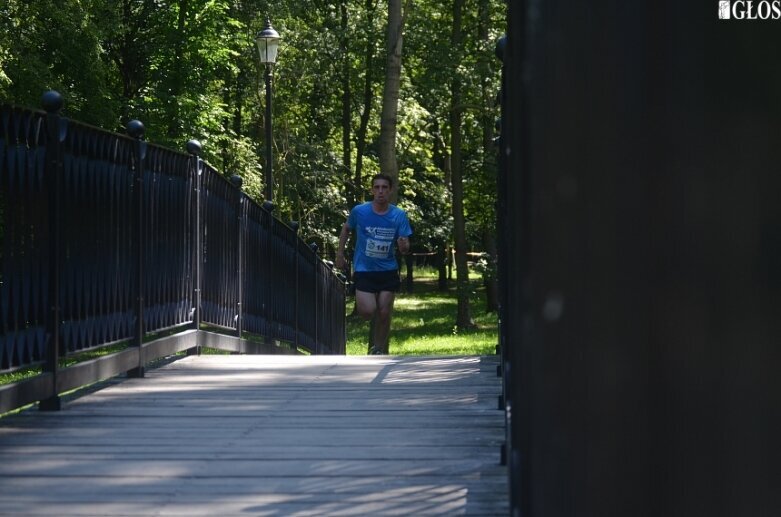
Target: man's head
<point>382,176</point>
<point>381,187</point>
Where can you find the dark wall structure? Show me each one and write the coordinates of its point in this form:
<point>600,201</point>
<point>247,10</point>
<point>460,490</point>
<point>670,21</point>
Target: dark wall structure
<point>642,265</point>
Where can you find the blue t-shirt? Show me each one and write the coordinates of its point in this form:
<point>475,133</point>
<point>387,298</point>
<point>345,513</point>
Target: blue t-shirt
<point>376,236</point>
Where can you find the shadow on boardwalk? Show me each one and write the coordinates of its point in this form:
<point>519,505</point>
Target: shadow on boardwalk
<point>267,435</point>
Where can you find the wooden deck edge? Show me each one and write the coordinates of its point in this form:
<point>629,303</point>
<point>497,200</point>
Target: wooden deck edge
<point>243,346</point>
<point>19,394</point>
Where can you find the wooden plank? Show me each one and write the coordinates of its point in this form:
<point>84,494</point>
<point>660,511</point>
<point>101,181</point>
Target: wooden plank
<point>267,435</point>
<point>234,344</point>
<point>97,369</point>
<point>177,451</point>
<point>25,392</point>
<point>130,485</point>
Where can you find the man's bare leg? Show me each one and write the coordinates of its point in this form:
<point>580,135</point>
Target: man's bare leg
<point>377,308</point>
<point>382,321</point>
<point>366,305</point>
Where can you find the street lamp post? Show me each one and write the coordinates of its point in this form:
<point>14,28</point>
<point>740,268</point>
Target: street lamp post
<point>268,45</point>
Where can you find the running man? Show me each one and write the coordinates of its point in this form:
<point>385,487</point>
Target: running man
<point>379,227</point>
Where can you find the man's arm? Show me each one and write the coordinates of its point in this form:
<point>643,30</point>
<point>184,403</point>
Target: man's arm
<point>345,233</point>
<point>404,229</point>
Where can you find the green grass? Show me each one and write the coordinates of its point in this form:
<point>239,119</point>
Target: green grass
<point>424,322</point>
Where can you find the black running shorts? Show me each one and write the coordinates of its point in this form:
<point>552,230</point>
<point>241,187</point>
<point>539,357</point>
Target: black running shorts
<point>376,281</point>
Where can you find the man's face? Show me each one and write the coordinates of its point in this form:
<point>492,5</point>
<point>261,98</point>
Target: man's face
<point>381,190</point>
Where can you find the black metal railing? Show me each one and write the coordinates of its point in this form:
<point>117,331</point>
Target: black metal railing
<point>106,239</point>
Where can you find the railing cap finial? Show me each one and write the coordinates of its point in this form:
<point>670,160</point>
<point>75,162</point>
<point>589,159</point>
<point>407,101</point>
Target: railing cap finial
<point>194,147</point>
<point>51,101</point>
<point>135,128</point>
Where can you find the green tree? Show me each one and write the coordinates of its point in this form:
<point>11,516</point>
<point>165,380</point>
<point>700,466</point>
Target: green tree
<point>55,45</point>
<point>390,93</point>
<point>188,69</point>
<point>464,314</point>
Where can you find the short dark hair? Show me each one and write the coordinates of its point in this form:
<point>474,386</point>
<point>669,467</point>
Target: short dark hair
<point>382,176</point>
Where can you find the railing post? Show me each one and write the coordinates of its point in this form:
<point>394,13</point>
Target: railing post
<point>342,316</point>
<point>135,129</point>
<point>268,206</point>
<point>504,402</point>
<point>328,321</point>
<point>56,130</point>
<point>295,226</point>
<point>196,169</point>
<point>314,248</point>
<point>236,181</point>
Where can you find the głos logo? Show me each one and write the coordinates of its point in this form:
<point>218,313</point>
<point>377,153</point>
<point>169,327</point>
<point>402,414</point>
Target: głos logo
<point>749,10</point>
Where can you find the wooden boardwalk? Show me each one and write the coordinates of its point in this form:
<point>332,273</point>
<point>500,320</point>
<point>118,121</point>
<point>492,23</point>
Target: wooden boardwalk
<point>267,435</point>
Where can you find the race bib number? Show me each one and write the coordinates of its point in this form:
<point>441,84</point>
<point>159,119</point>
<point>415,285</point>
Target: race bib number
<point>377,249</point>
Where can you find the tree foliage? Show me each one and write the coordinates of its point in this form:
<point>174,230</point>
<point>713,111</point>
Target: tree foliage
<point>188,69</point>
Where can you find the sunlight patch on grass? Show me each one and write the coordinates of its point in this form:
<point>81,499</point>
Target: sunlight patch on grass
<point>424,324</point>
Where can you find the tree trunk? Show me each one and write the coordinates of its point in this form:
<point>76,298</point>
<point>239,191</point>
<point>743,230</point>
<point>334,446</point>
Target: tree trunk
<point>440,155</point>
<point>442,267</point>
<point>489,276</point>
<point>390,96</point>
<point>126,58</point>
<point>409,261</point>
<point>464,314</point>
<point>177,86</point>
<point>442,160</point>
<point>489,163</point>
<point>368,95</point>
<point>346,100</point>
